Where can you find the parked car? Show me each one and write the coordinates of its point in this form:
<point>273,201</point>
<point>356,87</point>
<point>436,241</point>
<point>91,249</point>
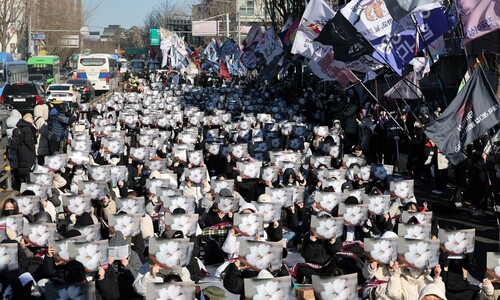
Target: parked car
<point>64,92</point>
<point>84,87</point>
<point>23,96</point>
<point>38,78</point>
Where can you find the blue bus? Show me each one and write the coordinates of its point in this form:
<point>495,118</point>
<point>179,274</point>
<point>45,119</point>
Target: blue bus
<point>11,70</point>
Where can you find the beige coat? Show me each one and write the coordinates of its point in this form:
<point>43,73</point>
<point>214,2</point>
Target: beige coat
<point>408,284</point>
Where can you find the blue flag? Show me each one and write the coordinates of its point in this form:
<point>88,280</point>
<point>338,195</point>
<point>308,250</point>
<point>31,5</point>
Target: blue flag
<point>399,49</point>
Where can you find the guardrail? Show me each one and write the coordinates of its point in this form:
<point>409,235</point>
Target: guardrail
<point>100,99</point>
<point>5,171</point>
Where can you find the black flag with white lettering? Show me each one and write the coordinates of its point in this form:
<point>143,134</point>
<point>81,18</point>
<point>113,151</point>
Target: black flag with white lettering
<point>473,111</point>
<point>348,44</point>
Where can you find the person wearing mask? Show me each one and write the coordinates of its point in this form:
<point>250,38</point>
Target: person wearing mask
<point>10,207</point>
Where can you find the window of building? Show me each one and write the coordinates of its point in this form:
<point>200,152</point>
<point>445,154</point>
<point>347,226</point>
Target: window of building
<point>247,7</point>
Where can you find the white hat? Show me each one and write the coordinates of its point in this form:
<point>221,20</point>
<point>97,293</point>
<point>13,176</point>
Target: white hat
<point>432,289</point>
<point>265,198</point>
<point>389,234</point>
<point>265,274</point>
<point>247,205</point>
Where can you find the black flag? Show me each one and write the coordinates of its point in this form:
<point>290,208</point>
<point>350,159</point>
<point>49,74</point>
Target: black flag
<point>473,111</point>
<point>348,44</point>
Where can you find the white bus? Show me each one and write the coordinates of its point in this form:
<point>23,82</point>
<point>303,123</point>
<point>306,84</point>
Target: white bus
<point>100,69</point>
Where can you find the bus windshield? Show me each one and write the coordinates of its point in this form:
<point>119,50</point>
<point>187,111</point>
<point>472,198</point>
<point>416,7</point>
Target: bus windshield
<point>44,69</point>
<point>92,62</point>
<point>2,73</point>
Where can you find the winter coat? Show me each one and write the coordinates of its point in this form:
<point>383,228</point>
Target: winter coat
<point>319,251</point>
<point>366,133</point>
<point>57,124</point>
<point>25,144</point>
<point>41,114</point>
<point>381,275</point>
<point>405,286</point>
<point>13,151</point>
<point>350,123</point>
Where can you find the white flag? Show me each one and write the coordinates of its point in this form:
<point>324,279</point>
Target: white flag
<point>407,88</point>
<point>268,46</point>
<point>316,15</point>
<point>370,18</point>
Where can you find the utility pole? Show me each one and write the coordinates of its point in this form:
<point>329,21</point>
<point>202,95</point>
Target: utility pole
<point>31,43</point>
<point>238,20</point>
<point>227,25</point>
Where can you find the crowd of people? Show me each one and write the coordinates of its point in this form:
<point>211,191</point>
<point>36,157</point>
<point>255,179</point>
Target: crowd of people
<point>136,199</point>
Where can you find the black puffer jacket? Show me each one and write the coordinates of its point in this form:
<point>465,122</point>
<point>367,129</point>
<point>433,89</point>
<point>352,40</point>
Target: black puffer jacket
<point>25,145</point>
<point>349,115</point>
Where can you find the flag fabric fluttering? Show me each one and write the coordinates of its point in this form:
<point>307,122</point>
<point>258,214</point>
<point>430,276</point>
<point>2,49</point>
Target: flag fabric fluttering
<point>327,68</point>
<point>407,88</point>
<point>253,35</point>
<point>473,111</point>
<point>347,42</point>
<point>398,49</point>
<point>223,71</point>
<point>370,75</point>
<point>290,32</point>
<point>371,18</point>
<point>211,51</point>
<point>479,17</point>
<point>480,60</point>
<point>315,16</point>
<point>268,46</point>
<point>401,8</point>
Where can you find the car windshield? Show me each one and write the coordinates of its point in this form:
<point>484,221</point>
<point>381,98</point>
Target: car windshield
<point>20,89</point>
<point>137,64</point>
<point>38,77</point>
<point>44,69</point>
<point>59,88</point>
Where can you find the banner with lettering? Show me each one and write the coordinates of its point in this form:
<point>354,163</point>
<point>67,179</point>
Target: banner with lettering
<point>473,111</point>
<point>479,17</point>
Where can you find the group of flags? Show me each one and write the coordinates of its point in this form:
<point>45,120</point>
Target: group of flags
<point>361,38</point>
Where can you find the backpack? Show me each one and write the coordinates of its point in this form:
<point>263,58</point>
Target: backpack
<point>15,140</point>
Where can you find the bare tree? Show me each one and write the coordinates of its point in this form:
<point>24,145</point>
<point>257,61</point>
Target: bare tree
<point>280,10</point>
<point>160,15</point>
<point>13,20</point>
<point>57,20</point>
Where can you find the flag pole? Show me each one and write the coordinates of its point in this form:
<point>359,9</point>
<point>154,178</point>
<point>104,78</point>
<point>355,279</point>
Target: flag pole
<point>402,98</point>
<point>461,37</point>
<point>406,81</point>
<point>426,45</point>
<point>375,98</point>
